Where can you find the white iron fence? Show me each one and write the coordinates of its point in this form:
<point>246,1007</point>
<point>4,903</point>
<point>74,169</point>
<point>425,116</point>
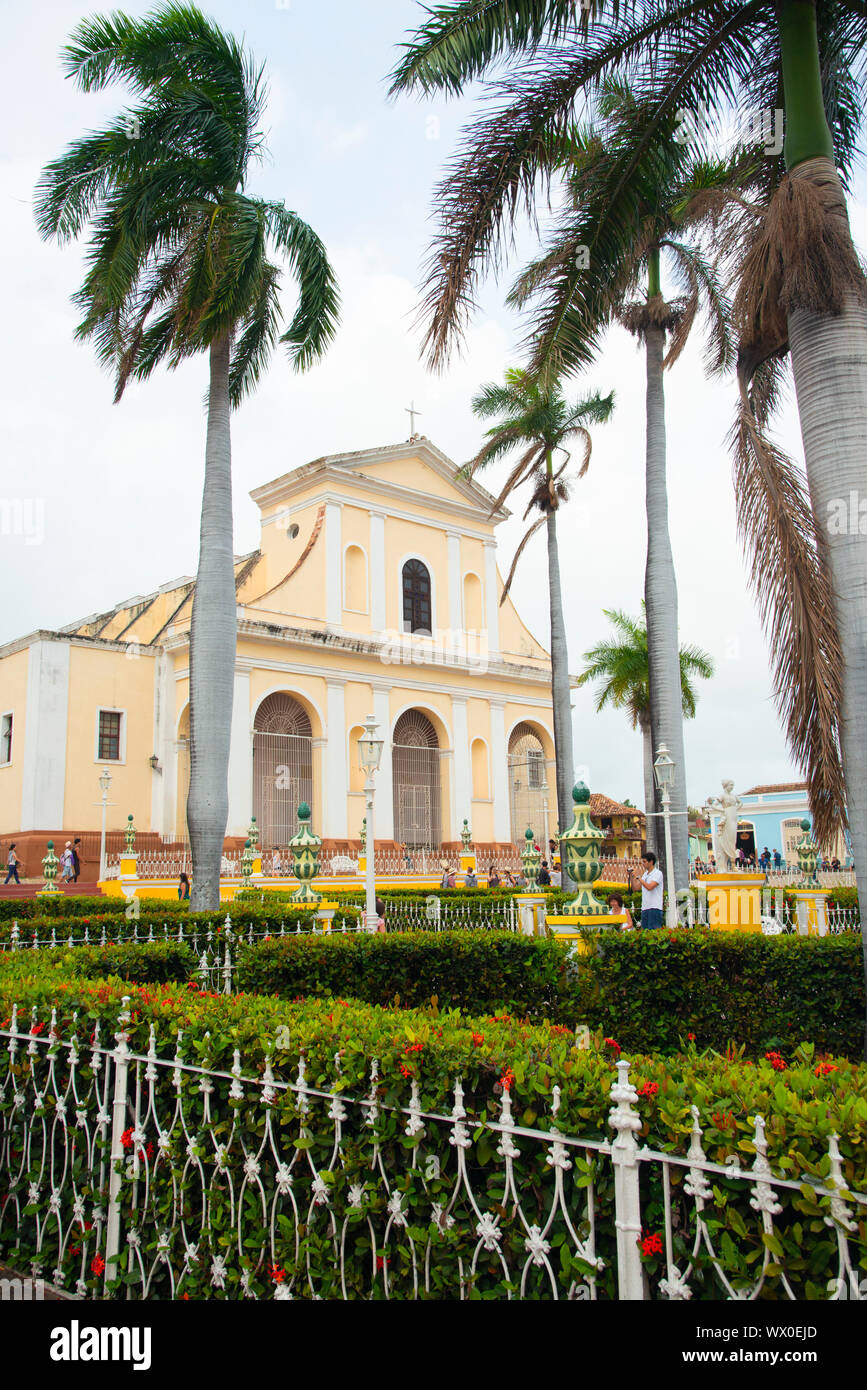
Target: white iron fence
<point>141,1176</point>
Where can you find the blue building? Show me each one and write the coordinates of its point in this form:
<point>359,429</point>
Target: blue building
<point>771,817</point>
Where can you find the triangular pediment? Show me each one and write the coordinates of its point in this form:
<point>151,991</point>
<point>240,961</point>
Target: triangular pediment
<point>414,470</point>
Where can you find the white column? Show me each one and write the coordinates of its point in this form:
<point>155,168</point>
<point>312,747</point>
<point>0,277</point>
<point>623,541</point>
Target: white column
<point>240,759</point>
<point>462,767</point>
<point>163,782</point>
<point>336,778</point>
<point>384,805</point>
<point>333,564</point>
<point>45,724</point>
<point>500,771</point>
<point>377,572</point>
<point>492,600</point>
<point>456,616</point>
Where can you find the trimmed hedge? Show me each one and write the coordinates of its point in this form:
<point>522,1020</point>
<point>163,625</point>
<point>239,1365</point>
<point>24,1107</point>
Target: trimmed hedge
<point>117,926</point>
<point>803,1104</point>
<point>651,989</point>
<point>647,989</point>
<point>469,970</point>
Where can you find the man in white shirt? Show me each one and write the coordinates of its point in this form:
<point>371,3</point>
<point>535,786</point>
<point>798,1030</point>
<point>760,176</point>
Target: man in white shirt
<point>651,893</point>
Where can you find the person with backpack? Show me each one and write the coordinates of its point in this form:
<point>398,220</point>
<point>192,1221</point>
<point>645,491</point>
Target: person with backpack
<point>12,862</point>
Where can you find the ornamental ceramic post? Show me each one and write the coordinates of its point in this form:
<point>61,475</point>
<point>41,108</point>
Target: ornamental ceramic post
<point>247,866</point>
<point>468,859</point>
<point>50,865</point>
<point>256,850</point>
<point>811,899</point>
<point>580,858</point>
<point>305,847</point>
<point>129,858</point>
<point>531,858</point>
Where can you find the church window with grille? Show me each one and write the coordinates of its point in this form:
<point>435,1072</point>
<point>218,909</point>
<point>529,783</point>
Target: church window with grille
<point>416,597</point>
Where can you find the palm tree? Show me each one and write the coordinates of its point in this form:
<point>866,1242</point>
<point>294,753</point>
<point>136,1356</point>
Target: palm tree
<point>541,422</point>
<point>623,666</point>
<point>802,287</point>
<point>178,264</point>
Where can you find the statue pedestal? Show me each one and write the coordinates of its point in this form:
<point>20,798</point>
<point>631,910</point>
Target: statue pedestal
<point>734,901</point>
<point>811,911</point>
<point>128,867</point>
<point>468,861</point>
<point>531,910</point>
<point>569,929</point>
<point>362,865</point>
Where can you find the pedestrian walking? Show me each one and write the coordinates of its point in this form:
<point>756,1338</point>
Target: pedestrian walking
<point>493,877</point>
<point>183,888</point>
<point>12,862</point>
<point>470,880</point>
<point>544,877</point>
<point>76,859</point>
<point>380,915</point>
<point>67,869</point>
<point>651,894</point>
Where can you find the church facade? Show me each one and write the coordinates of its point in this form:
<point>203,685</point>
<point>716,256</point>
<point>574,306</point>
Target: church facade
<point>374,590</point>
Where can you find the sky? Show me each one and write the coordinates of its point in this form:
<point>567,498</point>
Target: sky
<point>101,502</point>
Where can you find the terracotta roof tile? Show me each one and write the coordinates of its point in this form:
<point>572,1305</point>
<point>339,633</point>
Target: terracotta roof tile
<point>776,787</point>
<point>603,806</point>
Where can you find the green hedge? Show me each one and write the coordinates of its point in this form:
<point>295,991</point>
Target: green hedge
<point>651,989</point>
<point>118,927</point>
<point>648,990</point>
<point>803,1104</point>
<point>468,970</point>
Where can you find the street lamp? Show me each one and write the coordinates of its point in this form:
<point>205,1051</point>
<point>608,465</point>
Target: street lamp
<point>369,756</point>
<point>104,784</point>
<point>663,771</point>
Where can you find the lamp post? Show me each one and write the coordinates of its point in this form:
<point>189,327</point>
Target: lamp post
<point>663,771</point>
<point>369,755</point>
<point>104,784</point>
<point>546,847</point>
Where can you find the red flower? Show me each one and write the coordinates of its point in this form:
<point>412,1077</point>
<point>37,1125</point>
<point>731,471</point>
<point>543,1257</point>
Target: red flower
<point>381,1263</point>
<point>478,1039</point>
<point>276,1273</point>
<point>690,1037</point>
<point>825,1068</point>
<point>404,1070</point>
<point>97,1264</point>
<point>612,1042</point>
<point>649,1088</point>
<point>126,1138</point>
<point>507,1080</point>
<point>776,1061</point>
<point>651,1245</point>
<point>36,1029</point>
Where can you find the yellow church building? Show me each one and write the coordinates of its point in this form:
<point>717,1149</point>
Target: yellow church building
<point>375,589</point>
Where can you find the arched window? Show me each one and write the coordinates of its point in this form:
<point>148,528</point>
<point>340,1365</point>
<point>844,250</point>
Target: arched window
<point>473,621</point>
<point>528,795</point>
<point>282,767</point>
<point>415,764</point>
<point>355,579</point>
<point>416,597</point>
<point>481,789</point>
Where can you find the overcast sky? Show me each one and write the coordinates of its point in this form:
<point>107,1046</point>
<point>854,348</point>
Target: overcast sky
<point>113,493</point>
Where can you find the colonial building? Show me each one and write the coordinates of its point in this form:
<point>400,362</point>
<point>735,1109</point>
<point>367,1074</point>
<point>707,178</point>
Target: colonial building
<point>375,589</point>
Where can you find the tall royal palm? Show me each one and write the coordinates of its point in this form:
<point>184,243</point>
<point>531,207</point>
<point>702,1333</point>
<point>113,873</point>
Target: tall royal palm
<point>178,264</point>
<point>802,288</point>
<point>626,216</point>
<point>541,423</point>
<point>622,666</point>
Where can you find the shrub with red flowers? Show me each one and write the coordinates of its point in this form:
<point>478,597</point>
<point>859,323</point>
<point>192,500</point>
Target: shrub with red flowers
<point>97,1265</point>
<point>651,1245</point>
<point>776,1060</point>
<point>650,1088</point>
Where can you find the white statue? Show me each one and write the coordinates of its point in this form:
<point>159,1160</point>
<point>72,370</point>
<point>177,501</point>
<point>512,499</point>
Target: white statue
<point>726,807</point>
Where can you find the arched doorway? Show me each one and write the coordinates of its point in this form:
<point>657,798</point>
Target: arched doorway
<point>282,767</point>
<point>416,780</point>
<point>528,795</point>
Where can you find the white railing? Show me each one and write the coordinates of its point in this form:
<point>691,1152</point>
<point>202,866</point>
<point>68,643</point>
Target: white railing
<point>786,877</point>
<point>116,1163</point>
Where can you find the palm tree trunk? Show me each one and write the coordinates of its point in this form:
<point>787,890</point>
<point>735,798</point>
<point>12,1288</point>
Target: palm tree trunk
<point>560,694</point>
<point>212,648</point>
<point>651,836</point>
<point>660,594</point>
<point>829,361</point>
